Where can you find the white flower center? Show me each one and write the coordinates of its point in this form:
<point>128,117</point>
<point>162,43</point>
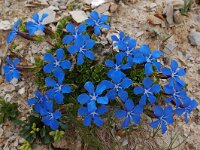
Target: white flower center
<point>117,67</point>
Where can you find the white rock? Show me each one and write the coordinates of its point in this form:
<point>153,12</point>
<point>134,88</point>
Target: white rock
<point>194,38</point>
<point>103,8</point>
<point>21,91</point>
<point>88,2</point>
<point>78,15</point>
<point>51,15</point>
<point>1,132</point>
<point>138,34</point>
<point>5,25</point>
<point>96,3</point>
<point>125,142</point>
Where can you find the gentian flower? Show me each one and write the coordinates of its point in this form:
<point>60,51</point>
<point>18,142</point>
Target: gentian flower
<point>36,24</point>
<point>149,59</point>
<point>186,108</point>
<point>56,63</point>
<point>93,97</point>
<point>58,89</point>
<point>97,22</point>
<point>118,66</point>
<point>148,90</point>
<point>10,70</point>
<point>92,115</point>
<point>13,32</point>
<point>121,40</point>
<point>82,47</point>
<point>131,113</point>
<point>174,72</point>
<point>176,92</point>
<point>75,33</point>
<point>49,118</point>
<point>165,116</point>
<point>118,85</point>
<point>39,101</point>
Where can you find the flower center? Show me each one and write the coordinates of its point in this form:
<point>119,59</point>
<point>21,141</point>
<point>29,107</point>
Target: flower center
<point>57,63</point>
<point>117,67</point>
<point>93,97</point>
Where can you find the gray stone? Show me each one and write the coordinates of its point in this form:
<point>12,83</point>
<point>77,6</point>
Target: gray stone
<point>5,25</point>
<point>103,8</point>
<point>78,15</point>
<point>51,15</point>
<point>194,38</point>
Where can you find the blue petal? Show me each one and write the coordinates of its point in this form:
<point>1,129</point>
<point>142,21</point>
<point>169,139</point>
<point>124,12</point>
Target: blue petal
<point>60,54</point>
<point>102,100</point>
<point>97,30</point>
<point>66,89</point>
<point>16,74</point>
<point>71,28</point>
<point>67,39</point>
<point>155,88</point>
<point>91,106</point>
<point>135,119</point>
<point>122,46</point>
<point>87,120</point>
<point>155,124</point>
<point>57,114</point>
<point>168,89</point>
<point>94,15</point>
<point>174,65</point>
<point>11,36</point>
<point>138,109</point>
<point>49,58</point>
<point>59,98</point>
<point>98,121</point>
<point>145,50</point>
<point>89,54</point>
<point>119,57</point>
<point>117,77</point>
<point>181,72</point>
<point>111,94</point>
<point>50,82</point>
<point>126,123</point>
<point>89,86</point>
<point>138,90</point>
<point>90,22</point>
<point>186,117</point>
<point>109,63</point>
<point>126,83</point>
<point>151,98</point>
<point>81,28</point>
<point>103,18</point>
<point>168,110</point>
<point>83,98</point>
<point>163,128</point>
<point>54,124</point>
<point>31,101</point>
<point>82,111</point>
<point>114,38</point>
<point>156,54</point>
<point>147,82</point>
<point>35,17</point>
<point>169,119</point>
<point>108,84</point>
<point>73,49</point>
<point>120,113</point>
<point>43,17</point>
<point>166,71</point>
<point>66,64</point>
<point>102,110</point>
<point>123,95</point>
<point>148,69</point>
<point>48,68</point>
<point>6,69</point>
<point>143,100</point>
<point>158,111</point>
<point>80,59</point>
<point>129,105</point>
<point>179,111</point>
<point>59,74</point>
<point>100,89</point>
<point>105,26</point>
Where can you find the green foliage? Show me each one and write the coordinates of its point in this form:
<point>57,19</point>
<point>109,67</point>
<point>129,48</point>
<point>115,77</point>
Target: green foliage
<point>187,6</point>
<point>57,135</point>
<point>34,129</point>
<point>8,111</point>
<point>25,146</point>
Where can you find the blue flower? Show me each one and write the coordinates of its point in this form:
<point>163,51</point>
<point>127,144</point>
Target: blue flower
<point>58,89</point>
<point>75,33</point>
<point>93,97</point>
<point>97,22</point>
<point>13,32</point>
<point>176,92</point>
<point>131,113</point>
<point>148,90</point>
<point>117,85</point>
<point>165,116</point>
<point>39,101</point>
<point>174,72</point>
<point>121,40</point>
<point>92,115</point>
<point>10,70</point>
<point>186,108</point>
<point>49,117</point>
<point>118,66</point>
<point>82,48</point>
<point>56,63</point>
<point>149,59</point>
<point>36,24</point>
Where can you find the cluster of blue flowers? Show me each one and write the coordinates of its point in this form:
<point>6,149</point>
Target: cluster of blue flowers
<point>94,102</point>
